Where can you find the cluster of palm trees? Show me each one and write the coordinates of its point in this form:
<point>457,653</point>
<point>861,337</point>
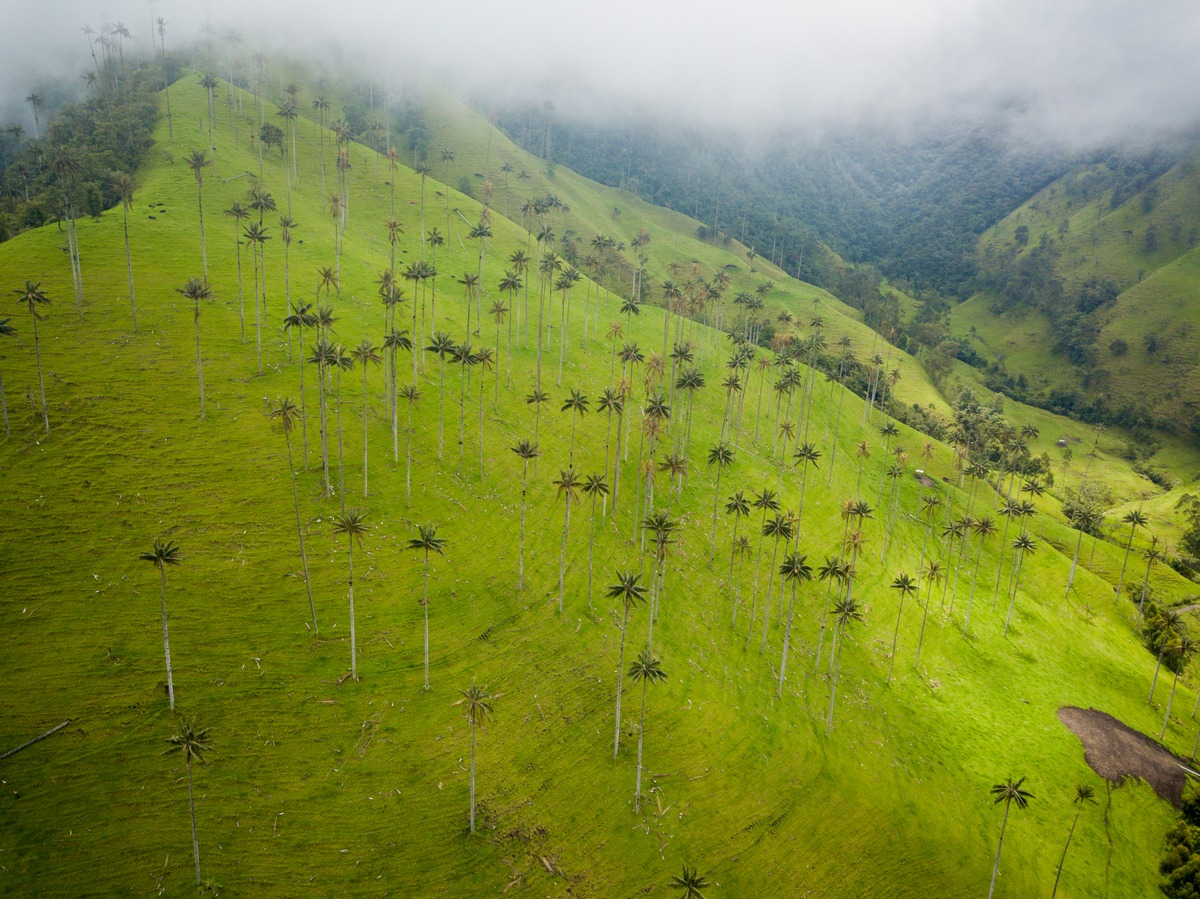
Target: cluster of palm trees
<point>660,406</point>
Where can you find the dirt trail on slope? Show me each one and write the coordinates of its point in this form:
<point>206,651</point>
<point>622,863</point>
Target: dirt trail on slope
<point>1116,751</point>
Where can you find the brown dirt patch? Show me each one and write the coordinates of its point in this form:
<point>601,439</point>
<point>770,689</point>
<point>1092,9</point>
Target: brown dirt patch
<point>1116,751</point>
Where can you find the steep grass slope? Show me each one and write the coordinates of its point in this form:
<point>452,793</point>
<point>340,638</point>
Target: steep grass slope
<point>1144,349</point>
<point>322,785</point>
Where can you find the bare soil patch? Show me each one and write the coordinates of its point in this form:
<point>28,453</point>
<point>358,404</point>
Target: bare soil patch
<point>1116,751</point>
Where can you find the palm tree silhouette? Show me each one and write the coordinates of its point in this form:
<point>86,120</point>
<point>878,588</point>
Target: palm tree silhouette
<point>577,403</point>
<point>1008,792</point>
<point>526,451</point>
<point>984,527</point>
<point>351,523</point>
<point>1184,648</point>
<point>287,415</point>
<point>648,670</point>
<point>630,593</point>
<point>196,290</point>
<point>239,213</point>
<point>477,709</point>
<point>411,394</point>
<point>1084,795</point>
<point>364,354</point>
<point>779,527</point>
<point>568,485</point>
<point>1135,518</point>
<point>427,541</point>
<point>1022,545</point>
<point>443,346</point>
<point>719,455</point>
<point>192,742</point>
<point>691,882</point>
<point>737,506</point>
<point>33,296</point>
<point>160,556</point>
<point>594,486</point>
<point>199,161</point>
<point>796,570</point>
<point>844,612</point>
<point>906,586</point>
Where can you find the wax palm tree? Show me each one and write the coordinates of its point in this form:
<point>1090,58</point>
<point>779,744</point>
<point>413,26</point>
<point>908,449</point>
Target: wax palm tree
<point>195,290</point>
<point>443,346</point>
<point>256,235</point>
<point>934,573</point>
<point>737,506</point>
<point>796,570</point>
<point>835,571</point>
<point>351,523</point>
<point>477,709</point>
<point>691,882</point>
<point>844,612</point>
<point>427,541</point>
<point>536,398</point>
<point>1153,554</point>
<point>779,527</point>
<point>594,486</point>
<point>1184,648</point>
<point>1008,792</point>
<point>160,556</point>
<point>32,296</point>
<point>1084,795</point>
<point>526,451</point>
<point>239,213</point>
<point>410,393</point>
<point>192,742</point>
<point>719,455</point>
<point>983,527</point>
<point>806,454</point>
<point>1022,545</point>
<point>568,485</point>
<point>398,339</point>
<point>1135,518</point>
<point>286,225</point>
<point>630,593</point>
<point>577,403</point>
<point>1162,629</point>
<point>287,415</point>
<point>906,587</point>
<point>198,161</point>
<point>648,670</point>
<point>768,502</point>
<point>365,354</point>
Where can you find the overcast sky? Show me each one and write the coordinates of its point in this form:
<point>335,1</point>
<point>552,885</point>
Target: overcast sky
<point>1080,70</point>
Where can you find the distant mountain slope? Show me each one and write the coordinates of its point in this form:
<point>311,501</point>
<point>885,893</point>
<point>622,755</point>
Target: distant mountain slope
<point>1103,266</point>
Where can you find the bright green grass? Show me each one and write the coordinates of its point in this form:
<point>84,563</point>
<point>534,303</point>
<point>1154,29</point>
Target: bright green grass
<point>314,787</point>
<point>1157,291</point>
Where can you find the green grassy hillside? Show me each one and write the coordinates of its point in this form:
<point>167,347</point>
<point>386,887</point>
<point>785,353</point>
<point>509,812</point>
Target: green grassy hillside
<point>316,783</point>
<point>1135,237</point>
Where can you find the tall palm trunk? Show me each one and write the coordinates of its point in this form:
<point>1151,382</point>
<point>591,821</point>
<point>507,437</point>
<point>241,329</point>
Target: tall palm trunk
<point>562,558</point>
<point>620,677</point>
<point>195,835</point>
<point>37,349</point>
<point>637,789</point>
<point>353,652</point>
<point>300,533</point>
<point>364,417</point>
<point>199,365</point>
<point>425,606</point>
<point>838,634</point>
<point>999,847</point>
<point>167,640</point>
<point>1061,861</point>
<point>472,777</point>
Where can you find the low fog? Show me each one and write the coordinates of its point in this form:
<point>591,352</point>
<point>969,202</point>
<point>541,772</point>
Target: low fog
<point>1075,72</point>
